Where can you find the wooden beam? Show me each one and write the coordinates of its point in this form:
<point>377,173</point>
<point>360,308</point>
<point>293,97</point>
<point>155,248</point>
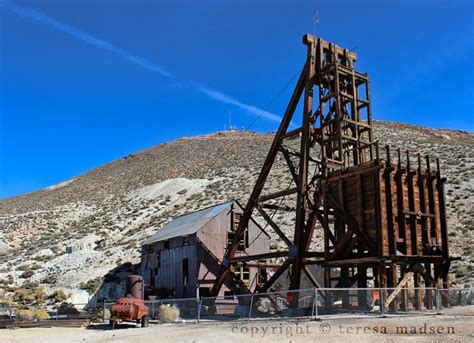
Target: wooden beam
<point>275,195</point>
<point>411,205</point>
<point>352,223</point>
<point>290,164</point>
<point>260,183</point>
<point>278,208</point>
<point>274,277</point>
<point>265,256</point>
<point>397,290</point>
<point>274,226</point>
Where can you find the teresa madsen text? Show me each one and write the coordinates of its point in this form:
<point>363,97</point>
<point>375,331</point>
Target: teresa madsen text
<point>296,329</point>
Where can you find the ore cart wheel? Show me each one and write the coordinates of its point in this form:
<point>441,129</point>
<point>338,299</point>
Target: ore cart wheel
<point>145,322</point>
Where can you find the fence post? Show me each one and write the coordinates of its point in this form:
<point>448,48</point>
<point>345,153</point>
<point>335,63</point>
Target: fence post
<point>103,310</point>
<point>57,313</point>
<point>251,304</point>
<point>381,302</point>
<point>314,313</point>
<point>153,309</point>
<point>437,300</point>
<point>199,310</point>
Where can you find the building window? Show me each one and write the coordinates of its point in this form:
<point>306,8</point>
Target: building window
<point>166,244</point>
<point>245,274</point>
<point>185,272</point>
<point>236,221</point>
<point>242,273</point>
<point>244,241</point>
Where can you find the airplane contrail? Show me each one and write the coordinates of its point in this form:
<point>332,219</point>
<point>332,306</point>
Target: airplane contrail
<point>142,62</point>
<point>227,99</point>
<point>85,37</point>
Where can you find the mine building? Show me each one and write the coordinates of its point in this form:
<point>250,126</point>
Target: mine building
<point>185,255</point>
<point>378,213</point>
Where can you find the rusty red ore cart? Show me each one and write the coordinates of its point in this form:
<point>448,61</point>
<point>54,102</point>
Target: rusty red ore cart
<point>131,308</point>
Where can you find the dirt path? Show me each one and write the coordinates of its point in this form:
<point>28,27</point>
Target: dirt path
<point>443,328</point>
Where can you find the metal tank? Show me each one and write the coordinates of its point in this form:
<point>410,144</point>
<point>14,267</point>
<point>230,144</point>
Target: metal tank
<point>135,287</point>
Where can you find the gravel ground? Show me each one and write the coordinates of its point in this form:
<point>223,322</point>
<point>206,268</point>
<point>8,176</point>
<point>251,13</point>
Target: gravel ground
<point>442,328</point>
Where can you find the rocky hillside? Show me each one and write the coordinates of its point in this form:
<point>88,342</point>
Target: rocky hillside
<point>104,214</point>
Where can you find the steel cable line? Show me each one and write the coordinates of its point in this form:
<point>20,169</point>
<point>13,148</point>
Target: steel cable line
<point>234,141</point>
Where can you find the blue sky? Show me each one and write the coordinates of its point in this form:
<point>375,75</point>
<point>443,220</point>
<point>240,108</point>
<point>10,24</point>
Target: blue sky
<point>86,82</point>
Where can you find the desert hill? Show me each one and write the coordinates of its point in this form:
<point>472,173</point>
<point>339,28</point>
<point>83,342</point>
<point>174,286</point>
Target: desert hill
<point>106,213</point>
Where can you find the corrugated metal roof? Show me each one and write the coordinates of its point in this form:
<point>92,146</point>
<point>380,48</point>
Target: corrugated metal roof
<point>187,224</point>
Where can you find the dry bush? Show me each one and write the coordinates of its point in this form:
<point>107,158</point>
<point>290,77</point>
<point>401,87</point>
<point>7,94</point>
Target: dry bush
<point>59,296</point>
<point>34,295</point>
<point>32,314</point>
<point>168,314</point>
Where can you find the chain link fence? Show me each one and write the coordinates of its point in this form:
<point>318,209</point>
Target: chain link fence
<point>315,302</point>
<point>306,303</point>
<point>48,312</point>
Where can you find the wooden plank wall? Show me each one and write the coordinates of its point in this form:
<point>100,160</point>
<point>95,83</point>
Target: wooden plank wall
<point>170,273</point>
<point>358,197</point>
<point>397,207</point>
<point>412,209</point>
<point>214,237</point>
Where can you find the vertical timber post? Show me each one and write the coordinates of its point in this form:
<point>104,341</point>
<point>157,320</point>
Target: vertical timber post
<point>301,199</point>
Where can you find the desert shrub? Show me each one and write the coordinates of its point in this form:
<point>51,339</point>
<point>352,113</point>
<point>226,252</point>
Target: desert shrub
<point>168,314</point>
<point>27,274</point>
<point>32,314</point>
<point>50,279</point>
<point>30,285</point>
<point>469,251</point>
<point>91,286</point>
<point>132,243</point>
<point>59,296</point>
<point>460,271</point>
<point>24,267</point>
<point>8,280</point>
<point>29,296</point>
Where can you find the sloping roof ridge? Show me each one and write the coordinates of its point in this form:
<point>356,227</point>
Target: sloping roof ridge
<point>179,226</point>
<point>202,209</point>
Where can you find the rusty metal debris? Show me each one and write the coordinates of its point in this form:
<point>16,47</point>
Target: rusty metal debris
<point>132,307</point>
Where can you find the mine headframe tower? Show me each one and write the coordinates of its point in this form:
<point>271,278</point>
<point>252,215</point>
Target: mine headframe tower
<point>375,215</point>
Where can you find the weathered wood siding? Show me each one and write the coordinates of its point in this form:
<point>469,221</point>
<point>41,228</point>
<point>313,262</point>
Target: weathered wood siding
<point>204,252</point>
<point>413,210</point>
<point>398,210</point>
<point>214,239</point>
<point>357,193</point>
